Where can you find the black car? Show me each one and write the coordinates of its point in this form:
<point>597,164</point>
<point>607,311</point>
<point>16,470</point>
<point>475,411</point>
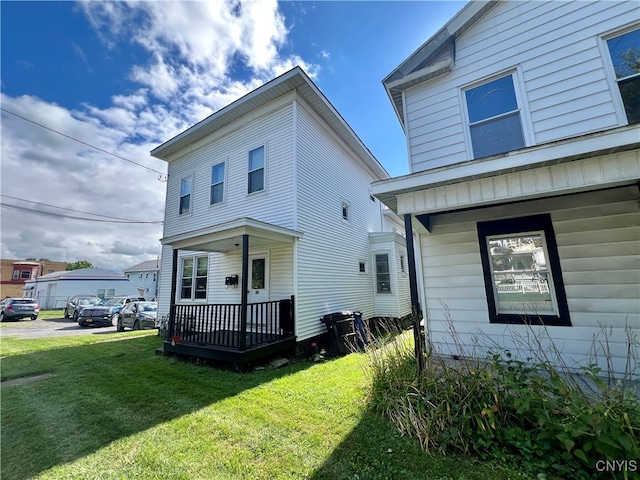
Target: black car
<point>17,308</point>
<point>105,314</point>
<point>75,305</point>
<point>137,315</point>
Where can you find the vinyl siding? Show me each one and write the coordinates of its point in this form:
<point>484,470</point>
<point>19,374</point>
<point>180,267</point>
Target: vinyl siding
<point>555,47</point>
<point>328,254</point>
<point>271,126</point>
<point>598,237</point>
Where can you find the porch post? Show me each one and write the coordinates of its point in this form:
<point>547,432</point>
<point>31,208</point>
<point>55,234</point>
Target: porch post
<point>245,290</point>
<point>172,298</point>
<point>413,287</point>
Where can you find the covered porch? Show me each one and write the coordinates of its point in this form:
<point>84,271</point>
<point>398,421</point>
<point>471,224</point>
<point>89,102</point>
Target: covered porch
<point>246,320</point>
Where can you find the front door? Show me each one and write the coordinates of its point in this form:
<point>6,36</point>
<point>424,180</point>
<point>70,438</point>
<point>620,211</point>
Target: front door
<point>258,278</point>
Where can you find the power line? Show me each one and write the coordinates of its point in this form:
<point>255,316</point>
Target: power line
<point>72,210</point>
<point>51,214</point>
<point>162,176</point>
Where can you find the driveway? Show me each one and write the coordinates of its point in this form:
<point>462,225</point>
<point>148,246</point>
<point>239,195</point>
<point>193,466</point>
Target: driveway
<point>53,327</point>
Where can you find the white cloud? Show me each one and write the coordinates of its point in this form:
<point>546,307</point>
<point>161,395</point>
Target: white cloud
<point>195,51</point>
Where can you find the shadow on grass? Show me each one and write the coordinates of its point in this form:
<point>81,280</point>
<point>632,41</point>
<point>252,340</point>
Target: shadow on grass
<point>374,450</point>
<point>102,392</point>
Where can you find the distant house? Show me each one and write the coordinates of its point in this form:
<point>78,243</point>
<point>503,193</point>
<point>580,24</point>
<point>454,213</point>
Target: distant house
<point>270,225</point>
<point>145,277</point>
<point>14,274</point>
<point>522,130</point>
<point>54,289</point>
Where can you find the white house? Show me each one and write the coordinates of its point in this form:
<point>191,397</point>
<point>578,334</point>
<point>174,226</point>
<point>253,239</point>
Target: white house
<point>145,277</point>
<point>54,289</point>
<point>521,120</point>
<point>270,225</point>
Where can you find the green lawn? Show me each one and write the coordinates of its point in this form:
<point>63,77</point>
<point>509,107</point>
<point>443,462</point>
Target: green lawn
<point>114,409</point>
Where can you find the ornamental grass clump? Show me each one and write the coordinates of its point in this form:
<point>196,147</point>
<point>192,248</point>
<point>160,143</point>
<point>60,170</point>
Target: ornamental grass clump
<point>546,418</point>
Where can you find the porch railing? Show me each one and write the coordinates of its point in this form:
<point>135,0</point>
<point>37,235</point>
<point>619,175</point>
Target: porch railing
<point>220,325</point>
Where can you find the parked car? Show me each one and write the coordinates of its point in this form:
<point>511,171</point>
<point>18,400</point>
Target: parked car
<point>105,314</point>
<point>75,305</point>
<point>17,308</point>
<point>137,315</point>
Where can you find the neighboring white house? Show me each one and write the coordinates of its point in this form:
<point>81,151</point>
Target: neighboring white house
<point>54,289</point>
<point>269,200</point>
<point>145,277</point>
<point>521,120</point>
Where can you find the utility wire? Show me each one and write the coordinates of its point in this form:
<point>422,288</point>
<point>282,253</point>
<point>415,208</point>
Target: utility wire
<point>51,214</point>
<point>72,210</point>
<point>162,176</point>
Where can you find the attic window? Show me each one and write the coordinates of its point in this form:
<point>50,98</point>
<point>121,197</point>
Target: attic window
<point>362,267</point>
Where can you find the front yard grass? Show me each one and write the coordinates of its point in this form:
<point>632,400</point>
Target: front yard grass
<point>117,410</point>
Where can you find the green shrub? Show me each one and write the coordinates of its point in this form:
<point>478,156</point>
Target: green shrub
<point>502,408</point>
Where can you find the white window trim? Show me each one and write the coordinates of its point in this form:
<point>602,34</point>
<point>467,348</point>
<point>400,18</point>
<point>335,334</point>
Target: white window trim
<point>523,107</point>
<point>343,204</point>
<point>366,267</point>
<point>391,260</point>
<point>552,290</point>
<point>194,257</point>
<point>610,74</point>
<point>192,196</point>
<point>224,181</point>
<point>265,168</point>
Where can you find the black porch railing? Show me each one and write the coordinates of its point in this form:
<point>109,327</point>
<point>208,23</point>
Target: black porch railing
<point>220,325</point>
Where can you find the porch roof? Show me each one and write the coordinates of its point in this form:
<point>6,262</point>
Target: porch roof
<point>227,236</point>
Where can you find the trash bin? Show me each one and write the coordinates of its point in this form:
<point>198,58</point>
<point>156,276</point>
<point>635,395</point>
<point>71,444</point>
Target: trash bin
<point>361,333</point>
<point>340,326</point>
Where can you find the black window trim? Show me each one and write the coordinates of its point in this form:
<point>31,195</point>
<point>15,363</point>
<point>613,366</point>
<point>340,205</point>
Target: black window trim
<point>514,226</point>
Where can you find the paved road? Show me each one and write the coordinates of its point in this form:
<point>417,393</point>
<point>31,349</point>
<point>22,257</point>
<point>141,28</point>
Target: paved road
<point>54,327</point>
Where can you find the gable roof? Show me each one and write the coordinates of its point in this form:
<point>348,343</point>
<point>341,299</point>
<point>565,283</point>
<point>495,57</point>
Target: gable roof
<point>436,56</point>
<point>147,265</point>
<point>293,80</point>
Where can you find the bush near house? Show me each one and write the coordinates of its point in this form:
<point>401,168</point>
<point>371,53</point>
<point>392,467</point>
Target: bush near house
<point>499,408</point>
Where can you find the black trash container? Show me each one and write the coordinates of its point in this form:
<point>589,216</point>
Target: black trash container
<point>340,326</point>
<point>361,333</point>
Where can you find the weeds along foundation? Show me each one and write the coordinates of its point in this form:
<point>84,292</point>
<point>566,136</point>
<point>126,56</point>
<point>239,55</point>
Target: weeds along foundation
<point>553,419</point>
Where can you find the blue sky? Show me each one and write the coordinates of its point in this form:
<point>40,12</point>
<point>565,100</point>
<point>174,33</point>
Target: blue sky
<point>128,76</point>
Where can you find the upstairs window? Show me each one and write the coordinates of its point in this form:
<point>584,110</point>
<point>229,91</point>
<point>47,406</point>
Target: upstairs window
<point>185,195</point>
<point>256,170</point>
<point>346,214</point>
<point>217,183</point>
<point>494,118</point>
<point>25,274</point>
<point>16,274</point>
<point>625,56</point>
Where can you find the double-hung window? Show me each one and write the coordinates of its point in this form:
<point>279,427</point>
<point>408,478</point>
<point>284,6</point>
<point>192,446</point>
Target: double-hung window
<point>217,183</point>
<point>193,283</point>
<point>383,273</point>
<point>625,56</point>
<point>256,170</point>
<point>185,195</point>
<point>522,275</point>
<point>495,125</point>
